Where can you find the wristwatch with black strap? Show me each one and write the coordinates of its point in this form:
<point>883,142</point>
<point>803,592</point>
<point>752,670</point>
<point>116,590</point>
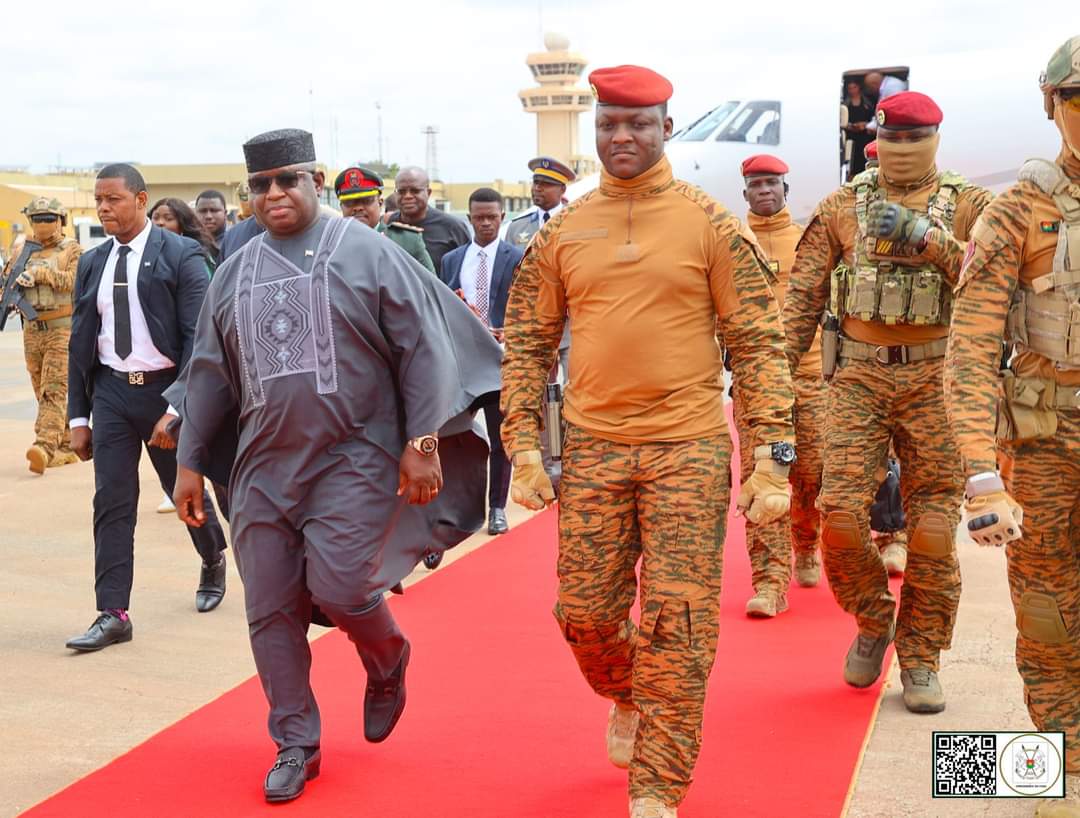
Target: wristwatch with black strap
<point>782,454</point>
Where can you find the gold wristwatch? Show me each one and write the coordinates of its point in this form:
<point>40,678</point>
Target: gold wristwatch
<point>427,445</point>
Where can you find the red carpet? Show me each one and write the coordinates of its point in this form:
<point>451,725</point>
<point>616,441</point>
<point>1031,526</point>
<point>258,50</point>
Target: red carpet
<point>501,725</point>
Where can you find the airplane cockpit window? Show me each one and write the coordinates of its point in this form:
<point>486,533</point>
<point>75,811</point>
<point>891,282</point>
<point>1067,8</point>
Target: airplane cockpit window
<point>703,128</point>
<point>757,122</point>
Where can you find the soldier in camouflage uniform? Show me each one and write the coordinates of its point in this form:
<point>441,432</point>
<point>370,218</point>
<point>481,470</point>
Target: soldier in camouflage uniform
<point>243,197</point>
<point>47,282</point>
<point>1021,284</point>
<point>893,305</point>
<point>771,546</point>
<point>647,452</point>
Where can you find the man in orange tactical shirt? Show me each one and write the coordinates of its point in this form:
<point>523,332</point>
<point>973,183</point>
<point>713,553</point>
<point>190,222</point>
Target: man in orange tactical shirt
<point>771,545</point>
<point>893,304</point>
<point>644,265</point>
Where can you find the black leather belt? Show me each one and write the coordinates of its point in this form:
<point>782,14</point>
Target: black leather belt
<point>144,378</point>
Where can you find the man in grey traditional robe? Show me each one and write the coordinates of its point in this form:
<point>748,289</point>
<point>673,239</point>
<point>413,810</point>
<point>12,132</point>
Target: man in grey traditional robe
<point>344,377</point>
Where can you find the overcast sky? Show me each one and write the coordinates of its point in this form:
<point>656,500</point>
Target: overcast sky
<point>189,82</point>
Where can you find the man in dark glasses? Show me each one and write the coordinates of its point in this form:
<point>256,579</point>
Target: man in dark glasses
<point>343,377</point>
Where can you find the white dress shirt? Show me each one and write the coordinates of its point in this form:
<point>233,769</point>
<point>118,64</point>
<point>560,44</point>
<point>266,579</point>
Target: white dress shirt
<point>468,270</point>
<point>144,357</point>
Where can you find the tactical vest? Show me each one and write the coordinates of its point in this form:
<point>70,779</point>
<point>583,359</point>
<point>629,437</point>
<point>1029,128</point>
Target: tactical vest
<point>891,290</point>
<point>1044,316</point>
<point>42,297</point>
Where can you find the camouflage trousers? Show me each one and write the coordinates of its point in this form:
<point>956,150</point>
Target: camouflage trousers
<point>1044,578</point>
<point>869,404</point>
<point>770,546</point>
<point>46,353</point>
<point>810,411</point>
<point>665,503</point>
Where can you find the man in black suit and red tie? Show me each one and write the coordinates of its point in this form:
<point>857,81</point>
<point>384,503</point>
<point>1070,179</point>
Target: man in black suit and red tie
<point>480,272</point>
<point>137,298</point>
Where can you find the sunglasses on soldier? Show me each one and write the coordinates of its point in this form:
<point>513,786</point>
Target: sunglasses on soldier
<point>286,180</point>
<point>44,218</point>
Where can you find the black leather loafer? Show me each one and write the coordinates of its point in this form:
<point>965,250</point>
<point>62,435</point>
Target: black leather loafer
<point>211,588</point>
<point>292,769</point>
<point>108,629</point>
<point>384,701</point>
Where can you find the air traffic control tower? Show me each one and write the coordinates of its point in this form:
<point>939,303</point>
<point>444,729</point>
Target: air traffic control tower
<point>558,102</point>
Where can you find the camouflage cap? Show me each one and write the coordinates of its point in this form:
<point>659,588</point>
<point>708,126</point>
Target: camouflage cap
<point>1063,71</point>
<point>43,204</point>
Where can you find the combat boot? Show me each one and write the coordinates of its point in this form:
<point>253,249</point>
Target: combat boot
<point>651,808</point>
<point>807,569</point>
<point>766,603</point>
<point>62,457</point>
<point>922,690</point>
<point>622,727</point>
<point>894,556</point>
<point>38,458</point>
<point>862,667</point>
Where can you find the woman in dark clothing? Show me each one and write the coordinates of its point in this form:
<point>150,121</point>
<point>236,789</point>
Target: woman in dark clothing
<point>175,215</point>
<point>860,111</point>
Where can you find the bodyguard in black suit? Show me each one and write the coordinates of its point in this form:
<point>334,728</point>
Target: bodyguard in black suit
<point>481,272</point>
<point>137,298</point>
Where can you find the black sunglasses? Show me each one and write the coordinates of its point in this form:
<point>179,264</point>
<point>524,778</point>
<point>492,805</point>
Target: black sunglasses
<point>286,180</point>
<point>44,218</point>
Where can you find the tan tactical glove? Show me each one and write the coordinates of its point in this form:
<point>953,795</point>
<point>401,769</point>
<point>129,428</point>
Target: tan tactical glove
<point>992,517</point>
<point>765,495</point>
<point>531,486</point>
<point>25,279</point>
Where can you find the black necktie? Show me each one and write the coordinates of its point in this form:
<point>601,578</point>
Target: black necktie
<point>121,310</point>
<point>546,216</point>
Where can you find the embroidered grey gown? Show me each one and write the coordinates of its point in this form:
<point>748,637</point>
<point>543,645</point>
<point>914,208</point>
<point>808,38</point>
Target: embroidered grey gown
<point>316,358</point>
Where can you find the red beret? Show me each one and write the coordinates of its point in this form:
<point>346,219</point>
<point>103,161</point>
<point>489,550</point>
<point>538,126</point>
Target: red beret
<point>908,109</point>
<point>762,164</point>
<point>870,151</point>
<point>629,85</point>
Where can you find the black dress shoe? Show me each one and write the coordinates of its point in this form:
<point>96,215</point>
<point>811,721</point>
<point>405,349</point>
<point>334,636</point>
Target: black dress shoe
<point>497,522</point>
<point>432,560</point>
<point>211,588</point>
<point>384,701</point>
<point>108,629</point>
<point>293,768</point>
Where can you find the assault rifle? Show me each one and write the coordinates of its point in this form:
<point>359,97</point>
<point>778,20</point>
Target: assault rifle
<point>13,298</point>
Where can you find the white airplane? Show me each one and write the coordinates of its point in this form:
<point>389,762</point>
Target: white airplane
<point>993,121</point>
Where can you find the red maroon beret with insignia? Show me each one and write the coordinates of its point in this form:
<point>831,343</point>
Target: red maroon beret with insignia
<point>629,85</point>
<point>764,164</point>
<point>870,151</point>
<point>908,109</point>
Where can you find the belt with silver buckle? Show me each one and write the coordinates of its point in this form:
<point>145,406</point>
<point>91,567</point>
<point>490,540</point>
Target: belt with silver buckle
<point>144,378</point>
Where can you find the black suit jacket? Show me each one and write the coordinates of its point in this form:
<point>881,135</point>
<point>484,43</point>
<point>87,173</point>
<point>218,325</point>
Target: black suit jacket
<point>172,283</point>
<point>507,258</point>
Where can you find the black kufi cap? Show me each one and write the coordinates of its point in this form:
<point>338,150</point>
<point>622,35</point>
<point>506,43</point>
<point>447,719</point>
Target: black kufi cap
<point>276,149</point>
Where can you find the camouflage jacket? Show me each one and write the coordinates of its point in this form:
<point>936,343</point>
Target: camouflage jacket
<point>830,238</point>
<point>1013,243</point>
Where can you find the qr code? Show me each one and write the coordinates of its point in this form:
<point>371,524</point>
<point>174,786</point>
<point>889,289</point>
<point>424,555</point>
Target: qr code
<point>965,764</point>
